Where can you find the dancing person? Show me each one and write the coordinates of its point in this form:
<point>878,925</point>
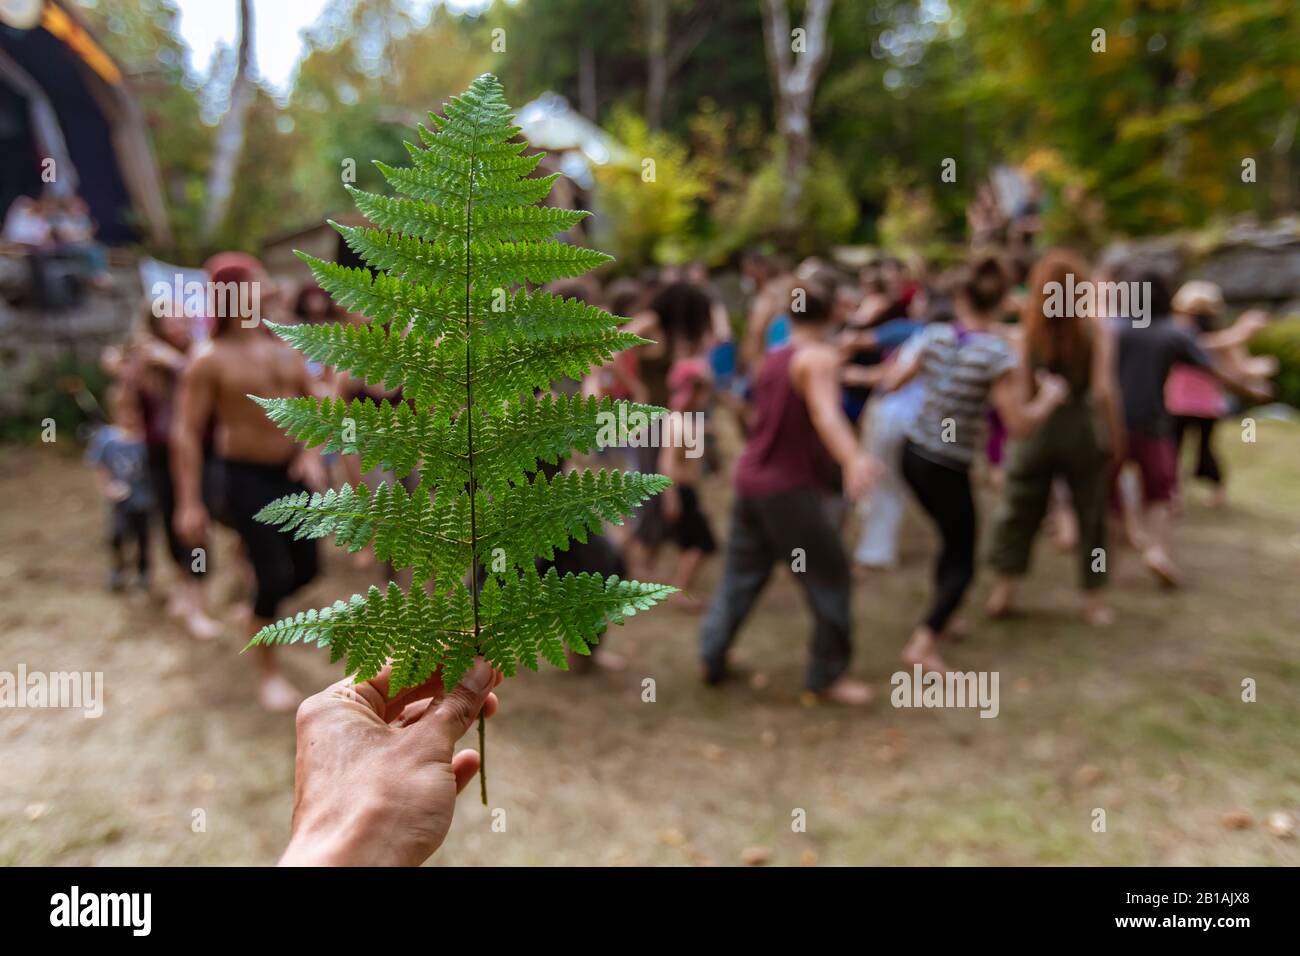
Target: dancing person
<point>967,369</point>
<point>257,462</point>
<point>681,459</point>
<point>1193,396</point>
<point>162,354</point>
<point>678,315</point>
<point>1148,352</point>
<point>888,417</point>
<point>1069,447</point>
<point>783,479</point>
<point>117,451</point>
<point>376,775</point>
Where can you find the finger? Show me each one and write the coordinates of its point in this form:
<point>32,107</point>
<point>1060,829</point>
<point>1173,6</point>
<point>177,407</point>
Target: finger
<point>446,722</point>
<point>465,765</point>
<point>414,711</point>
<point>382,683</point>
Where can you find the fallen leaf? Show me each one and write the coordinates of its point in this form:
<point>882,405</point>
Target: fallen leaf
<point>755,855</point>
<point>1087,775</point>
<point>672,837</point>
<point>1236,819</point>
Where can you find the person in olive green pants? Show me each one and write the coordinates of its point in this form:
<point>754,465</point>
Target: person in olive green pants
<point>1066,447</point>
<point>1074,444</point>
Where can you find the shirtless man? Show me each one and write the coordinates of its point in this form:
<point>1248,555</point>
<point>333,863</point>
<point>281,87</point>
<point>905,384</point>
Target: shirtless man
<point>257,462</point>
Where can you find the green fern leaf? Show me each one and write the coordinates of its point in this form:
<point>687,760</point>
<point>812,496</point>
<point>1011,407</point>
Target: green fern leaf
<point>452,322</point>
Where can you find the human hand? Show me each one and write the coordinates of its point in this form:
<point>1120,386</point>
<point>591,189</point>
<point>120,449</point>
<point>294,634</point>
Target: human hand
<point>1052,389</point>
<point>860,476</point>
<point>309,468</point>
<point>191,523</point>
<point>375,780</point>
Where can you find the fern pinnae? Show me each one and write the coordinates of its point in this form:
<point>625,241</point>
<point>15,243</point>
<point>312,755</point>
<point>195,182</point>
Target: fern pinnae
<point>453,323</point>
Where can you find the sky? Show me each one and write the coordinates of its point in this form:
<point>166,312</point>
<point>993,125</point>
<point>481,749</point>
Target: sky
<point>206,24</point>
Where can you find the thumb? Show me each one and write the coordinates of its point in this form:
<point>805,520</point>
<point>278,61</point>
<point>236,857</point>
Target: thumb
<point>452,716</point>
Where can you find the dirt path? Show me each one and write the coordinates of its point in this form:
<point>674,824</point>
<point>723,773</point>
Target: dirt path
<point>1144,721</point>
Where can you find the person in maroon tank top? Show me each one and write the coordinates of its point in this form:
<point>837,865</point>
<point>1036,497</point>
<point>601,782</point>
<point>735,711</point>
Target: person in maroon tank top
<point>784,478</point>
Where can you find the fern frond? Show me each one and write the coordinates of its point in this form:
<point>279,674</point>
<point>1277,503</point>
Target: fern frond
<point>454,325</point>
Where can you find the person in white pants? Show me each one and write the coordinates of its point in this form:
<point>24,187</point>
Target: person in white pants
<point>890,415</point>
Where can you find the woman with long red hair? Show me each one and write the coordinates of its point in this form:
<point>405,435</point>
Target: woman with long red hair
<point>1074,444</point>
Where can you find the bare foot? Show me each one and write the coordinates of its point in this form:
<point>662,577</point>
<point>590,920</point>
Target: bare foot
<point>1097,614</point>
<point>202,627</point>
<point>688,602</point>
<point>921,650</point>
<point>956,632</point>
<point>1066,533</point>
<point>276,694</point>
<point>1218,497</point>
<point>849,692</point>
<point>177,606</point>
<point>609,661</point>
<point>1162,566</point>
<point>999,602</point>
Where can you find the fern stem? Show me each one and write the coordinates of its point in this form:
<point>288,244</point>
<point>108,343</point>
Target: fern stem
<point>482,757</point>
<point>469,448</point>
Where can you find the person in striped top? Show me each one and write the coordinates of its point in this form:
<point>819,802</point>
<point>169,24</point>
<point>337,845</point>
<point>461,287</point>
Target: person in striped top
<point>966,368</point>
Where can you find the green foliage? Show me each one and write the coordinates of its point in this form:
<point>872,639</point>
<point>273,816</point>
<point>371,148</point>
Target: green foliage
<point>452,322</point>
<point>827,212</point>
<point>1282,340</point>
<point>647,210</point>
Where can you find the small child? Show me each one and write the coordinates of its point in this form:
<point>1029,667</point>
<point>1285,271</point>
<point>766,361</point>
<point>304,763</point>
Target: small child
<point>118,453</point>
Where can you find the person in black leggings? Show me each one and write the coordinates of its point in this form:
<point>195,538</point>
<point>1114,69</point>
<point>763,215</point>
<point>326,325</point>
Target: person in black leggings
<point>964,365</point>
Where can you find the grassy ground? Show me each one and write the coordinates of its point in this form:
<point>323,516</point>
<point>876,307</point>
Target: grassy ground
<point>1144,721</point>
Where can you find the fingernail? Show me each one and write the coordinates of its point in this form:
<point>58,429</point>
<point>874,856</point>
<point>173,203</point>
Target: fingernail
<point>479,676</point>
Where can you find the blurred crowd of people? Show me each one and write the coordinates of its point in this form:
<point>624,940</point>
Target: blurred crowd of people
<point>851,397</point>
<point>56,234</point>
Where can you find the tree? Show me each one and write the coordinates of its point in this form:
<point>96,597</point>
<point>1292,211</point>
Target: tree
<point>229,142</point>
<point>796,60</point>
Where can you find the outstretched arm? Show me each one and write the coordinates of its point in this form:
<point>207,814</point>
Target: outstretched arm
<point>815,373</point>
<point>195,399</point>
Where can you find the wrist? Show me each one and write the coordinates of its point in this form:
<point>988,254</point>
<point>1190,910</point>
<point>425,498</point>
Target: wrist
<point>357,837</point>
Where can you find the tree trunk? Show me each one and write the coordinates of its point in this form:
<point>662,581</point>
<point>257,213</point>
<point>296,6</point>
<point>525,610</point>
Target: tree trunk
<point>587,82</point>
<point>795,72</point>
<point>656,61</point>
<point>229,142</point>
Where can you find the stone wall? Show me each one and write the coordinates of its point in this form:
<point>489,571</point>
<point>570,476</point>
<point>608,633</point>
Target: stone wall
<point>33,342</point>
<point>1254,264</point>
